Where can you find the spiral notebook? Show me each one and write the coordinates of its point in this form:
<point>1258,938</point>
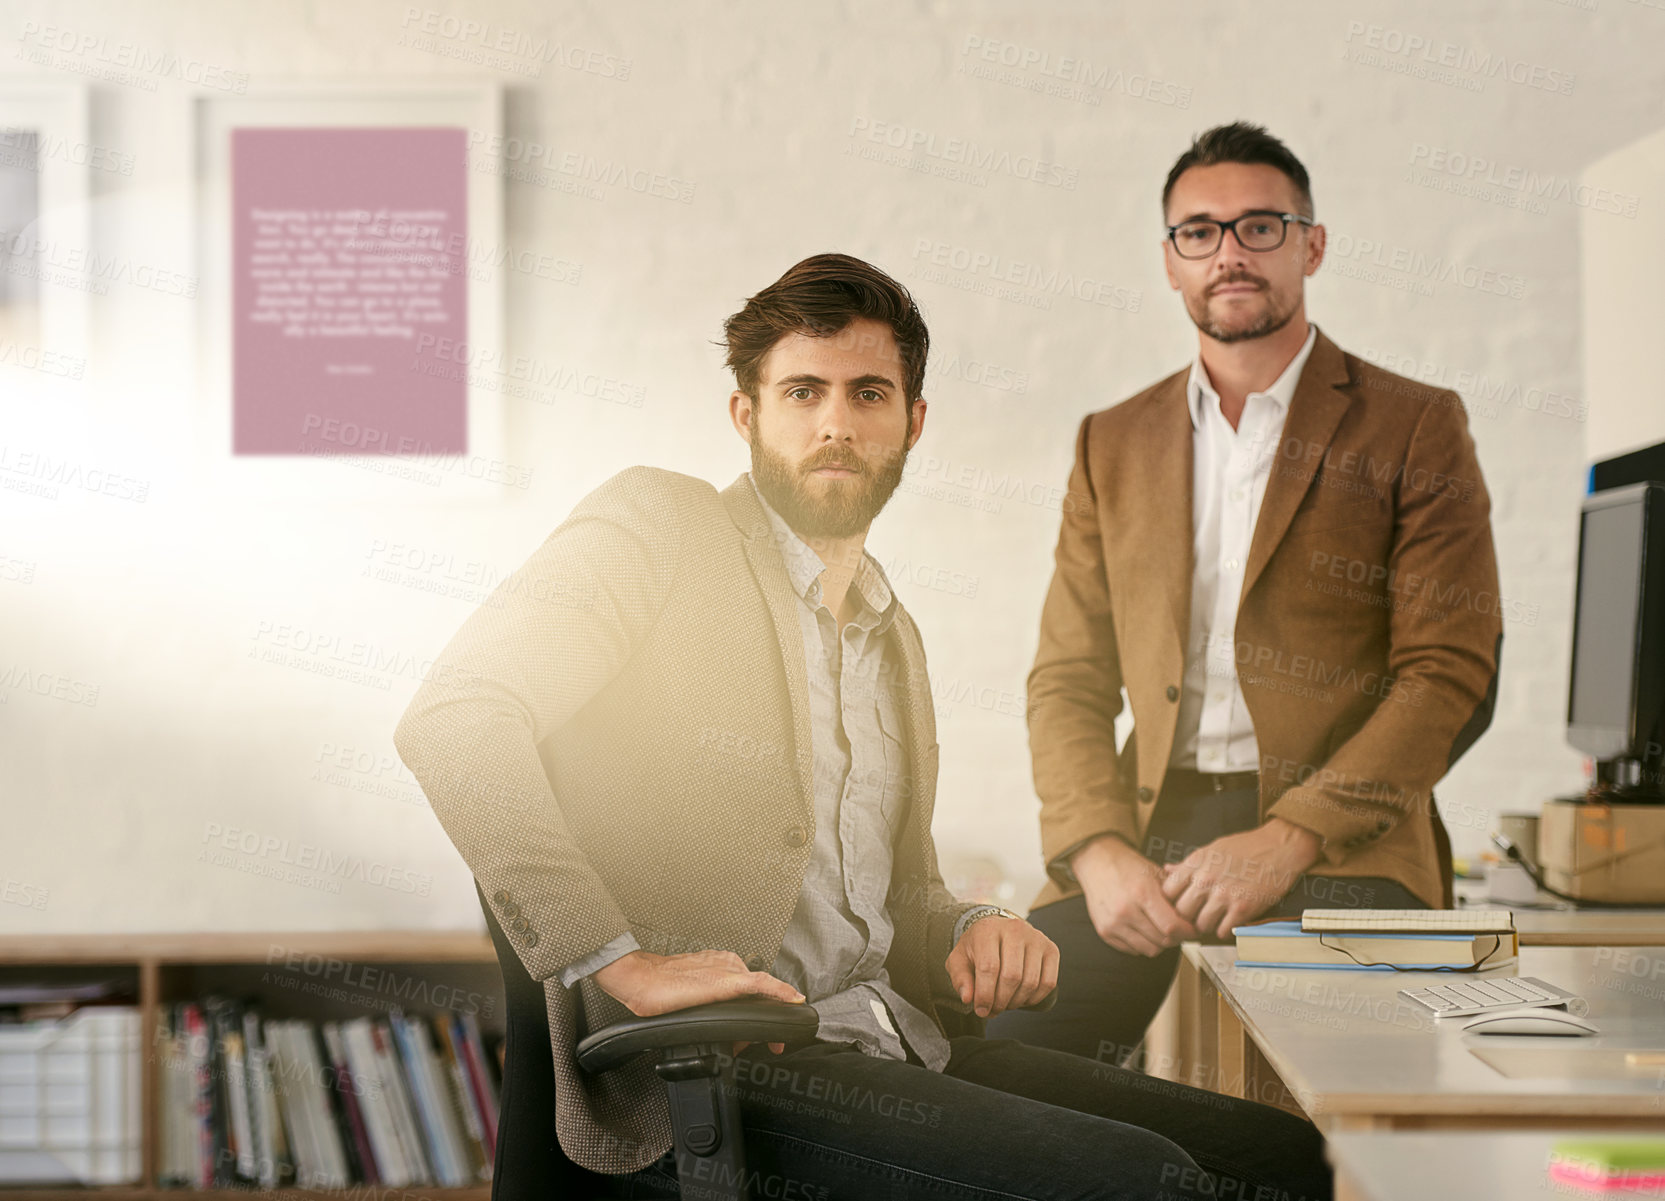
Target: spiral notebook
<point>1408,921</point>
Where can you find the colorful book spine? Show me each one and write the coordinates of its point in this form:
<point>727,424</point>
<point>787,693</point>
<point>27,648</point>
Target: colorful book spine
<point>462,1099</point>
<point>480,1079</point>
<point>428,1101</point>
<point>349,1094</point>
<point>404,1110</point>
<point>250,1102</point>
<point>201,1092</point>
<point>373,1104</point>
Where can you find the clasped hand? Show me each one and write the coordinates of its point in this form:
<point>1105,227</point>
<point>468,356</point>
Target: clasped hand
<point>1238,877</point>
<point>1143,908</point>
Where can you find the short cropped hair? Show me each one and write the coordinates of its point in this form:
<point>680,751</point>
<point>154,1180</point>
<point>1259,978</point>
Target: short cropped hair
<point>1241,142</point>
<point>821,296</point>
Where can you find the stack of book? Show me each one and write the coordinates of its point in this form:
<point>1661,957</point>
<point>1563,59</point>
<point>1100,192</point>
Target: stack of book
<point>1384,939</point>
<point>398,1101</point>
<point>70,1069</point>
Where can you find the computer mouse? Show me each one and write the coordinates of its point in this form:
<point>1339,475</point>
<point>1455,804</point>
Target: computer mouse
<point>1530,1019</point>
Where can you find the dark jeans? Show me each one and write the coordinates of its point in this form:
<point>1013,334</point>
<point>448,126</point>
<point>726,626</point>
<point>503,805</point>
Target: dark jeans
<point>1003,1122</point>
<point>1106,997</point>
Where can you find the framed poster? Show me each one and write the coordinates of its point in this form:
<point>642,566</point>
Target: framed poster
<point>47,265</point>
<point>348,281</point>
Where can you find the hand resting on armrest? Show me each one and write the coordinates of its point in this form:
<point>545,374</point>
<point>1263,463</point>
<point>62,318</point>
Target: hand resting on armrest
<point>649,984</point>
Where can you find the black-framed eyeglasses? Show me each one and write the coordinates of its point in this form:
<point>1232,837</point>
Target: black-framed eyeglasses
<point>1260,231</point>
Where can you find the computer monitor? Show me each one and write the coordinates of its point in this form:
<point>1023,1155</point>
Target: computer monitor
<point>1616,702</point>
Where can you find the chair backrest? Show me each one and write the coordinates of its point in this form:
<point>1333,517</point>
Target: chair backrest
<point>529,1164</point>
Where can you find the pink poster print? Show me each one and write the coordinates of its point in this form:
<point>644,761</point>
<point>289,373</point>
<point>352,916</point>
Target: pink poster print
<point>348,245</point>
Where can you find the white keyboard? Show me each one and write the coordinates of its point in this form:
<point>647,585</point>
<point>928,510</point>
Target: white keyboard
<point>1480,995</point>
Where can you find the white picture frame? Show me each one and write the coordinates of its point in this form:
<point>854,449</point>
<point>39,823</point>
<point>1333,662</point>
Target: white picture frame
<point>482,474</point>
<point>51,360</point>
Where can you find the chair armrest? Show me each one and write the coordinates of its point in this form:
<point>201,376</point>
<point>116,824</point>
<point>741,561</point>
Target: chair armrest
<point>745,1019</point>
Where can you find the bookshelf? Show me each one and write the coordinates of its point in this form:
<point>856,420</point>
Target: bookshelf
<point>306,974</point>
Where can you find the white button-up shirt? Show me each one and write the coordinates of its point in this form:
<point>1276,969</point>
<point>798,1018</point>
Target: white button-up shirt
<point>1230,469</point>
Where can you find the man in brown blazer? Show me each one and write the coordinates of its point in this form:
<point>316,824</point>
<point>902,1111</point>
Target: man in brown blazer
<point>688,752</point>
<point>1284,556</point>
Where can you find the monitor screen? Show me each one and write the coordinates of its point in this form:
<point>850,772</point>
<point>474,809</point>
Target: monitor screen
<point>1610,553</point>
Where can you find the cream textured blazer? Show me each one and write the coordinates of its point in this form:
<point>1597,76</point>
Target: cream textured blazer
<point>618,739</point>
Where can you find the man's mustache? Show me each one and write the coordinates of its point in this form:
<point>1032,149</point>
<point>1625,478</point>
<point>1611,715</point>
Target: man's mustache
<point>834,458</point>
<point>1236,279</point>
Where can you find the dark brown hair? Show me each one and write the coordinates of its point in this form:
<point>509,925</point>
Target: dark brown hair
<point>1241,142</point>
<point>821,296</point>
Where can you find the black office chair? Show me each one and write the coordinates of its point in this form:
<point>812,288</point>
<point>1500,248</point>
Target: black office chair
<point>692,1045</point>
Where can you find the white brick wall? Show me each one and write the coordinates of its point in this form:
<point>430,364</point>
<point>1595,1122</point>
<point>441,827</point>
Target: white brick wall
<point>771,117</point>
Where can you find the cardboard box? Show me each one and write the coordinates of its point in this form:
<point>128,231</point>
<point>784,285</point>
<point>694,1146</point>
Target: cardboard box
<point>1604,852</point>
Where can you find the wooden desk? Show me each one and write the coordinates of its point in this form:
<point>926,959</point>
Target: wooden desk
<point>1172,1048</point>
<point>1343,1048</point>
<point>1453,1166</point>
<point>1589,927</point>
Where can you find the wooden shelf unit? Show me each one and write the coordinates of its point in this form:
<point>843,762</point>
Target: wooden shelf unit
<point>170,966</point>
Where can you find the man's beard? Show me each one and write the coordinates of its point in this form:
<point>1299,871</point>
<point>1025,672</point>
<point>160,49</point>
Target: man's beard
<point>850,504</point>
<point>1269,322</point>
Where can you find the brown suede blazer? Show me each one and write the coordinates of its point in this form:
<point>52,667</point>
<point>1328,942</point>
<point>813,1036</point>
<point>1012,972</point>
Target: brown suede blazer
<point>618,739</point>
<point>1368,634</point>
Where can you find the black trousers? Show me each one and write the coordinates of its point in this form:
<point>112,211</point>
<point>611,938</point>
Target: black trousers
<point>1002,1122</point>
<point>1106,997</point>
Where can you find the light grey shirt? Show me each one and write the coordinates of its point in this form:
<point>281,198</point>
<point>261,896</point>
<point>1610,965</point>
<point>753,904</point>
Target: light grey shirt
<point>840,933</point>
